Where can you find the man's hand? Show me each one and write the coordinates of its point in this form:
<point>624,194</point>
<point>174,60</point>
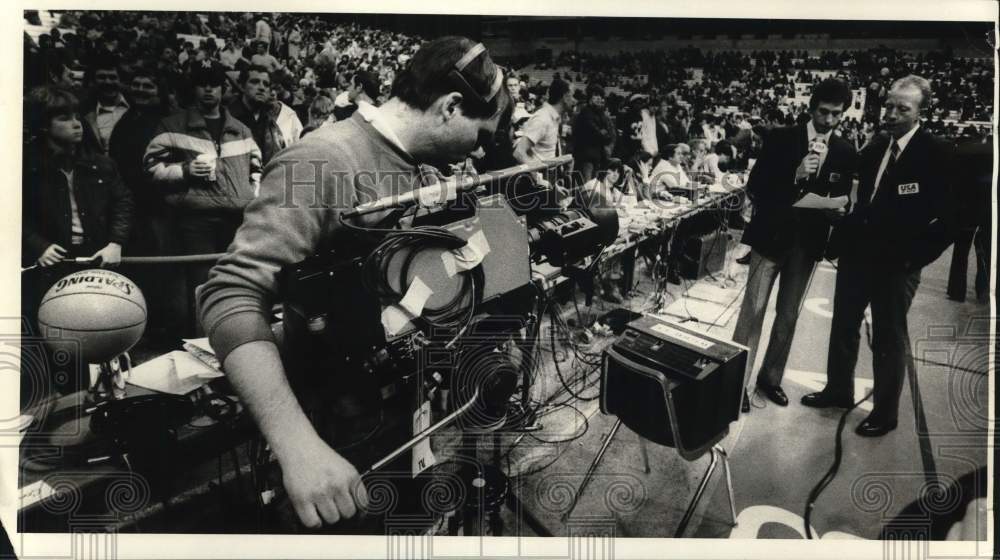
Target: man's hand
<point>807,166</point>
<point>110,255</point>
<point>199,169</point>
<point>52,255</point>
<point>323,486</point>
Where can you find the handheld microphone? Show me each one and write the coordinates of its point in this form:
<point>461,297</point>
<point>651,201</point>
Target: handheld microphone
<point>818,147</point>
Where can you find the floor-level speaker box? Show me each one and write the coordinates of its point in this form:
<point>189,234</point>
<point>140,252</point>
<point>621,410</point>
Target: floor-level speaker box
<point>672,385</point>
<point>703,255</point>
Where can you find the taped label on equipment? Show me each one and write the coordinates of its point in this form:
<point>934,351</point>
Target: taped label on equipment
<point>416,297</point>
<point>395,319</point>
<point>422,456</point>
<point>450,266</point>
<point>473,253</point>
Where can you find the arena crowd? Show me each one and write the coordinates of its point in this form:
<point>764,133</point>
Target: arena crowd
<point>136,104</point>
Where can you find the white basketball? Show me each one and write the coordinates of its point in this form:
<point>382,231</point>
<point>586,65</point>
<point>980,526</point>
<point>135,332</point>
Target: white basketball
<point>102,310</point>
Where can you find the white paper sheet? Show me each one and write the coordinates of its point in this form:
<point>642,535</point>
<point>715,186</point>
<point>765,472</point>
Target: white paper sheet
<point>816,202</point>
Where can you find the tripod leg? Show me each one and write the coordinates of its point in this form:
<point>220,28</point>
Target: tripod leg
<point>697,495</point>
<point>729,483</point>
<point>645,454</point>
<point>593,467</point>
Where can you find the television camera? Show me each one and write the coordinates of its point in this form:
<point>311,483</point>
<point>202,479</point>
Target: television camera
<point>440,306</point>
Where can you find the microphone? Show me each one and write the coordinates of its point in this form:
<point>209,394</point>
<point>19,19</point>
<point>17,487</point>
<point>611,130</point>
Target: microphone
<point>818,147</point>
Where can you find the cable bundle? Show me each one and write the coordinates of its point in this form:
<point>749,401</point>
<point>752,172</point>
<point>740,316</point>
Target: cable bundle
<point>454,315</point>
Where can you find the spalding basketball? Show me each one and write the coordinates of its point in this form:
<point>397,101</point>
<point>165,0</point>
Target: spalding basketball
<point>102,310</point>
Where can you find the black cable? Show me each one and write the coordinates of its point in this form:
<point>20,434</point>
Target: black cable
<point>555,360</point>
<point>838,454</point>
<point>574,437</point>
<point>452,316</point>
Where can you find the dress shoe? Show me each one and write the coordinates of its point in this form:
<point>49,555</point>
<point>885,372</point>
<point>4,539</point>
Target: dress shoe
<point>774,393</point>
<point>874,428</point>
<point>745,406</point>
<point>825,400</point>
<point>745,259</point>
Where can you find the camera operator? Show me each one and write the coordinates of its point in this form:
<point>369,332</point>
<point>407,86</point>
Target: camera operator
<point>443,105</point>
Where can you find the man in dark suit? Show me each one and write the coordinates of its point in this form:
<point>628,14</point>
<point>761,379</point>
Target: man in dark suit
<point>903,220</point>
<point>787,241</point>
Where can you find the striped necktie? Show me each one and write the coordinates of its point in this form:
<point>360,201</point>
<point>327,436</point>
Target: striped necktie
<point>889,166</point>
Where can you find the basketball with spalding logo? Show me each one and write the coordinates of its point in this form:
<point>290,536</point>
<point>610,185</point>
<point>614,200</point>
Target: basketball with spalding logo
<point>102,310</point>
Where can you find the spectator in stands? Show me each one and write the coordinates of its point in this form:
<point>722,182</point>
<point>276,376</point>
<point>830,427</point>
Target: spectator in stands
<point>541,135</point>
<point>262,30</point>
<point>255,109</point>
<point>320,114</point>
<point>364,88</point>
<point>73,201</point>
<point>231,55</point>
<point>263,58</point>
<point>208,166</point>
<point>70,76</point>
<point>110,104</point>
<point>187,54</point>
<point>639,127</point>
<point>153,232</point>
<point>594,134</point>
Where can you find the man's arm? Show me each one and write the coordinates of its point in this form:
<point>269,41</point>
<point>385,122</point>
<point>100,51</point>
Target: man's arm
<point>285,224</point>
<point>523,151</point>
<point>308,463</point>
<point>531,134</point>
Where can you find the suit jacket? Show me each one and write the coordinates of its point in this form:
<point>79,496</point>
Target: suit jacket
<point>772,188</point>
<point>912,218</point>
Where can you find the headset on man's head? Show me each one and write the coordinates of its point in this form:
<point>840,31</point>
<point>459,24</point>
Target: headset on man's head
<point>468,92</point>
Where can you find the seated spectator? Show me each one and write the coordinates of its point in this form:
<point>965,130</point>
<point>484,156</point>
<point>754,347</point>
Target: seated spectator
<point>637,173</point>
<point>668,173</point>
<point>608,181</point>
<point>704,164</point>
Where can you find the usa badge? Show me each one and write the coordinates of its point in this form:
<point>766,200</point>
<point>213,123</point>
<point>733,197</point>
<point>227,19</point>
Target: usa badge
<point>834,177</point>
<point>909,188</point>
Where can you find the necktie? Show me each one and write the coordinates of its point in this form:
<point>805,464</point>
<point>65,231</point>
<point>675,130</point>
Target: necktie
<point>893,156</point>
